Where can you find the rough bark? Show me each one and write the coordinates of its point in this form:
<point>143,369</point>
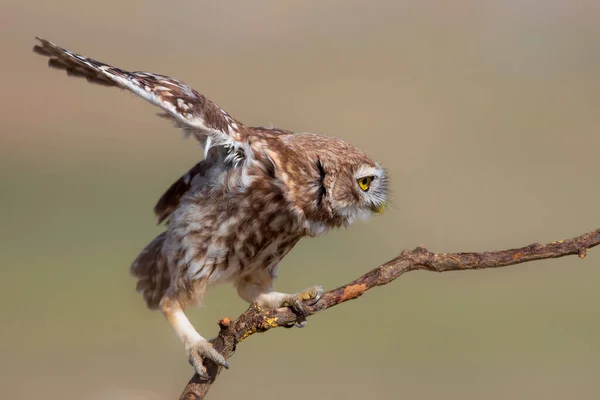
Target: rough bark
<point>255,320</point>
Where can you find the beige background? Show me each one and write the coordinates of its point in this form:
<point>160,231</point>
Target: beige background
<point>484,112</point>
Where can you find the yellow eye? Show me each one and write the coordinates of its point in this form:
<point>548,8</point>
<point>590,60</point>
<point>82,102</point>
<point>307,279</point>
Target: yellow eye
<point>365,183</point>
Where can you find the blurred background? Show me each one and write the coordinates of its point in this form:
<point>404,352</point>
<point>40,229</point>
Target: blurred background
<point>484,112</point>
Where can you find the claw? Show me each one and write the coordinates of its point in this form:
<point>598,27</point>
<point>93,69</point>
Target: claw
<point>300,324</point>
<point>201,350</point>
<point>311,296</point>
<point>300,301</point>
<point>200,369</point>
<point>317,295</point>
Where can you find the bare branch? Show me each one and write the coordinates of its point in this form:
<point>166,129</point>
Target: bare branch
<point>256,320</point>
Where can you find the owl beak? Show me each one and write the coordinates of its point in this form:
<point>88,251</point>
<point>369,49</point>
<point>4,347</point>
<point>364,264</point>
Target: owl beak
<point>378,209</point>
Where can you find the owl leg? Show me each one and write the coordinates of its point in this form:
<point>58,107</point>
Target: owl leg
<point>260,291</point>
<point>196,347</point>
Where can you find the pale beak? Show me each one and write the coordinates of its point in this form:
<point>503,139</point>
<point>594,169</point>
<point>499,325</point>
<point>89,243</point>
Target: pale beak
<point>378,209</point>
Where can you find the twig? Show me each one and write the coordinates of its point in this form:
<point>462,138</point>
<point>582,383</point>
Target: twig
<point>255,320</point>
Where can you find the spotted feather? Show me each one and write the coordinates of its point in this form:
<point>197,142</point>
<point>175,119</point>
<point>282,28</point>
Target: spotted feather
<point>190,110</point>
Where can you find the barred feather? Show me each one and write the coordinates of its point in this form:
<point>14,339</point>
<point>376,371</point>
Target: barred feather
<point>150,268</point>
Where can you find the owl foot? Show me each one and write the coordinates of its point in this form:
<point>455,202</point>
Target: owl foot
<point>199,351</point>
<point>299,301</point>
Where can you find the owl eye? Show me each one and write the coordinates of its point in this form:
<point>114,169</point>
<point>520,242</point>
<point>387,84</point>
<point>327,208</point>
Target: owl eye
<point>365,183</point>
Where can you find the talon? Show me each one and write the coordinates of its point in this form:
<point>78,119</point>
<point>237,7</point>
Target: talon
<point>203,375</point>
<point>312,295</point>
<point>300,301</point>
<point>196,362</point>
<point>300,324</point>
<point>201,350</point>
<point>317,295</point>
<point>299,308</point>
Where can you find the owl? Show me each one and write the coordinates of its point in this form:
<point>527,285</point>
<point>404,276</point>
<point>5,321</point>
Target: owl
<point>234,215</point>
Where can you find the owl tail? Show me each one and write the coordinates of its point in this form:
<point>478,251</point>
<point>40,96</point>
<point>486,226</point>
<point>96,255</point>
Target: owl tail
<point>150,268</point>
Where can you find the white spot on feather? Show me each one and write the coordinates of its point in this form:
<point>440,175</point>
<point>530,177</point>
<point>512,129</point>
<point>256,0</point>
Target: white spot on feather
<point>315,228</point>
<point>183,105</point>
<point>226,226</point>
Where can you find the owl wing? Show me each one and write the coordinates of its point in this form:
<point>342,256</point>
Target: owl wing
<point>190,110</point>
<point>195,178</point>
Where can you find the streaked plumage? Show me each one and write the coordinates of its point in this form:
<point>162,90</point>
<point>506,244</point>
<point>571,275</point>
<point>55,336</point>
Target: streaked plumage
<point>234,215</point>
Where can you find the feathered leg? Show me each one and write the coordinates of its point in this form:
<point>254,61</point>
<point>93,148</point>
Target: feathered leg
<point>258,289</point>
<point>196,347</point>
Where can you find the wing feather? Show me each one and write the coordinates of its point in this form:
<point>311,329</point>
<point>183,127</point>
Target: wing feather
<point>194,179</point>
<point>190,110</point>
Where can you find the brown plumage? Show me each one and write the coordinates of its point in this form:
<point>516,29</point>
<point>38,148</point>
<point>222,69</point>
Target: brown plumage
<point>233,216</point>
<point>195,177</point>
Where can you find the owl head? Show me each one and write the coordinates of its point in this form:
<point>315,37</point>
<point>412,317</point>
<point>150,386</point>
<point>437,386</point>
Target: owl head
<point>356,190</point>
<point>337,183</point>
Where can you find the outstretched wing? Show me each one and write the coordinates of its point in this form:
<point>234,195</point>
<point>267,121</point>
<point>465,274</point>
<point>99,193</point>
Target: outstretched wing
<point>190,110</point>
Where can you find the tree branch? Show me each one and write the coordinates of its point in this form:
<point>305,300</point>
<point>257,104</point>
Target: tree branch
<point>255,320</point>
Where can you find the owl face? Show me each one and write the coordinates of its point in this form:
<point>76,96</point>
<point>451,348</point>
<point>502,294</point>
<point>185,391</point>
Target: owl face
<point>358,191</point>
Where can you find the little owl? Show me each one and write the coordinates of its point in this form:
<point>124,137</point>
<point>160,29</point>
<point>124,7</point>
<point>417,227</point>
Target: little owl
<point>234,215</point>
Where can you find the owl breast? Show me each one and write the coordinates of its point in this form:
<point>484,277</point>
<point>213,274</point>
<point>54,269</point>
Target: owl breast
<point>222,234</point>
